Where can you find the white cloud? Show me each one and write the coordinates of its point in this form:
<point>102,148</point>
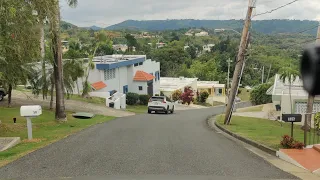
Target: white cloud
<point>107,12</point>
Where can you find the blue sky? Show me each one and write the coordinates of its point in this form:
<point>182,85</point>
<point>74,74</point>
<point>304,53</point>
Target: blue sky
<point>107,12</point>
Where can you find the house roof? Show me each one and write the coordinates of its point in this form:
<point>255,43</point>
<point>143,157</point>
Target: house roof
<point>143,76</point>
<point>98,85</point>
<point>282,88</point>
<point>172,84</point>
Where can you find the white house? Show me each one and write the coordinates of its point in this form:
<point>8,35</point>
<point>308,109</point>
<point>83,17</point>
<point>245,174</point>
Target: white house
<point>208,47</point>
<point>169,84</point>
<point>129,73</point>
<point>281,97</point>
<point>202,33</point>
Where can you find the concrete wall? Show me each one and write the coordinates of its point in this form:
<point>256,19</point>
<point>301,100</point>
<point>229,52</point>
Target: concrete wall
<point>149,66</point>
<point>135,87</point>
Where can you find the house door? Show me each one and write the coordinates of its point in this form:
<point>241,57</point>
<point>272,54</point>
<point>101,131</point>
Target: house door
<point>150,88</point>
<point>125,89</point>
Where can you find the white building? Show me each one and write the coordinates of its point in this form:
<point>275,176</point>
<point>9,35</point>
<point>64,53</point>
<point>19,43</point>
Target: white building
<point>130,73</point>
<point>281,96</point>
<point>202,33</point>
<point>122,47</point>
<point>208,47</point>
<point>160,45</point>
<point>169,84</point>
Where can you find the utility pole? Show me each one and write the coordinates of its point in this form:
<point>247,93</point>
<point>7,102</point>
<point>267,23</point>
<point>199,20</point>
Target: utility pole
<point>240,62</point>
<point>228,80</point>
<point>269,73</point>
<point>262,79</point>
<point>307,120</point>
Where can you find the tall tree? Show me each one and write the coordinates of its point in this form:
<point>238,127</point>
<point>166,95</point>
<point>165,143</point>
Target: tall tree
<point>131,42</point>
<point>57,54</point>
<point>289,74</point>
<point>18,42</point>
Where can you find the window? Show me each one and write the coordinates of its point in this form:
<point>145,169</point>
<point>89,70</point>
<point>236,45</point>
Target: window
<point>141,63</point>
<point>109,74</point>
<point>140,88</point>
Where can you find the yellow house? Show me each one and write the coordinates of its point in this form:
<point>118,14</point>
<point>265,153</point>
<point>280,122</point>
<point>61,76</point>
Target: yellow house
<point>212,87</point>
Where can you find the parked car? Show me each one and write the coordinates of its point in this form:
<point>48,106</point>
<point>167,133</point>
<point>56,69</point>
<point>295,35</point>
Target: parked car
<point>160,104</point>
<point>2,93</point>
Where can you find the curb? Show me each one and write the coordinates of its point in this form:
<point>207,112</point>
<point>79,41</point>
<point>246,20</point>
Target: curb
<point>248,141</point>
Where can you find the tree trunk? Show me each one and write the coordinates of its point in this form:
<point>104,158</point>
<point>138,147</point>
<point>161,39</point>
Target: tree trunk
<point>9,95</point>
<point>290,98</point>
<point>57,65</point>
<point>78,87</point>
<point>51,93</point>
<point>42,52</point>
<point>309,112</point>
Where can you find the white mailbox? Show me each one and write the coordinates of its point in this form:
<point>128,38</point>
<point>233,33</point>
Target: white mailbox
<point>30,111</point>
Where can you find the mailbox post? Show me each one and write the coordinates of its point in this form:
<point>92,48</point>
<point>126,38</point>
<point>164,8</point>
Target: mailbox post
<point>29,112</point>
<point>292,118</point>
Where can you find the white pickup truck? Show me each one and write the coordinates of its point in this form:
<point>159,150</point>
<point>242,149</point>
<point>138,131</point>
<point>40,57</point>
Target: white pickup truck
<point>160,104</point>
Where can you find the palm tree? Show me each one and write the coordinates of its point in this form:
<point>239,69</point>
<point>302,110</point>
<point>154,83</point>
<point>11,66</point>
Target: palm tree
<point>57,53</point>
<point>288,74</point>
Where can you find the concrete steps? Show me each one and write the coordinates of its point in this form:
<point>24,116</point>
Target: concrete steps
<point>308,158</point>
<point>317,148</point>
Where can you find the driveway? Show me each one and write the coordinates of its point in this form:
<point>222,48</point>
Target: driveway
<point>147,146</point>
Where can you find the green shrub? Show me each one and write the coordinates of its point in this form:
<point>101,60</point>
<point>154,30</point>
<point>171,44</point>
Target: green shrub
<point>176,95</point>
<point>132,98</point>
<point>161,93</point>
<point>258,94</point>
<point>157,95</point>
<point>144,99</point>
<point>204,96</point>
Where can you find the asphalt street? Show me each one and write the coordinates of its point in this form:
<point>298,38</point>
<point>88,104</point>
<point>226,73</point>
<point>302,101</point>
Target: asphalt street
<point>147,146</point>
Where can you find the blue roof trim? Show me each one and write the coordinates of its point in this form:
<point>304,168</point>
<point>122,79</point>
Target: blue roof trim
<point>119,64</point>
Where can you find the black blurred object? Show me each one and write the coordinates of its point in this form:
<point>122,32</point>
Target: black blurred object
<point>310,69</point>
<point>14,120</point>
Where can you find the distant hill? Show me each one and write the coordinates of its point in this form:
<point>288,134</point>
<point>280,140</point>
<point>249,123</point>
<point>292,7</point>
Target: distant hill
<point>96,28</point>
<point>263,26</point>
<point>65,25</point>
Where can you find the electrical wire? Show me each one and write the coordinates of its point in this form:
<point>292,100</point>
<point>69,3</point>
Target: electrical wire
<point>272,10</point>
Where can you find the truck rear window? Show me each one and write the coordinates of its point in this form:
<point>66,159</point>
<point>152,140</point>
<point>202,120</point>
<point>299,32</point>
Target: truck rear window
<point>157,99</point>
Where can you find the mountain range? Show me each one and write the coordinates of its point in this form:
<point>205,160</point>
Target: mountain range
<point>262,26</point>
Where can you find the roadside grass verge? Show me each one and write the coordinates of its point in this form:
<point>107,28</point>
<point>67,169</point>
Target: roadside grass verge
<point>45,131</point>
<point>245,94</point>
<point>251,109</point>
<point>138,109</point>
<point>263,131</point>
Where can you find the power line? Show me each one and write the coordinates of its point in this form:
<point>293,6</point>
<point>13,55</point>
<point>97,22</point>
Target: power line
<point>272,10</point>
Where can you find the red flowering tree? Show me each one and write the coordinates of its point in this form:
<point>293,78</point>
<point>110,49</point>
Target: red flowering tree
<point>187,95</point>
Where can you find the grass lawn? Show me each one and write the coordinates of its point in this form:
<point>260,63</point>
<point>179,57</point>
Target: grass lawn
<point>138,109</point>
<point>45,131</point>
<point>264,131</point>
<point>93,100</point>
<point>244,95</point>
<point>251,109</point>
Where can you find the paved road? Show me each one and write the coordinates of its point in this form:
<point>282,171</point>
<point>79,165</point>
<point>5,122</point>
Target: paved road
<point>157,146</point>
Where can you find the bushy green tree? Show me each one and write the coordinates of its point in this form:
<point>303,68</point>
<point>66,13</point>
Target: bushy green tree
<point>259,94</point>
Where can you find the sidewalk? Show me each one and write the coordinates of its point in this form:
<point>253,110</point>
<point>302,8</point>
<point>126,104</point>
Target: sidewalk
<point>26,98</point>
